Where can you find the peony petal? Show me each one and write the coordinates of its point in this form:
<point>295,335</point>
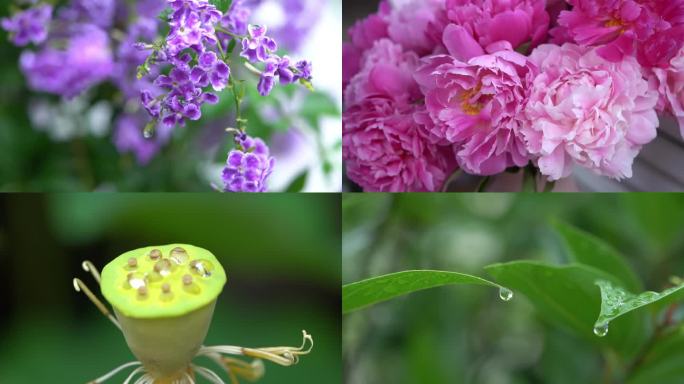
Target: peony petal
<point>460,43</point>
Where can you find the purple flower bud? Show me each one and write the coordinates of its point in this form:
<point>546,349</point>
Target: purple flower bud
<point>29,26</point>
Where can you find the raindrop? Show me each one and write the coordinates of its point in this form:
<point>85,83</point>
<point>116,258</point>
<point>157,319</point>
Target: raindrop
<point>136,280</point>
<point>201,267</point>
<point>601,330</point>
<point>163,267</point>
<point>178,255</point>
<point>505,294</point>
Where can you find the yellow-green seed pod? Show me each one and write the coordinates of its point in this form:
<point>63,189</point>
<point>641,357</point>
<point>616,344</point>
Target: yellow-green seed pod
<point>164,298</point>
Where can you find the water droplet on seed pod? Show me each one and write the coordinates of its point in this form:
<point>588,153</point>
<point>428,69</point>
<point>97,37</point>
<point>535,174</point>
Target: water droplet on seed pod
<point>136,280</point>
<point>178,255</point>
<point>201,267</point>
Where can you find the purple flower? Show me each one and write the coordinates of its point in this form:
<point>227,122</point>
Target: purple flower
<point>211,70</point>
<point>304,69</point>
<point>248,168</point>
<point>236,19</point>
<point>257,47</point>
<point>191,24</point>
<point>86,61</point>
<point>29,26</point>
<point>98,12</point>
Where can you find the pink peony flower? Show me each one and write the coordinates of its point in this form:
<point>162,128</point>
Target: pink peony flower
<point>374,27</point>
<point>671,87</point>
<point>363,35</point>
<point>385,69</point>
<point>492,21</point>
<point>384,150</point>
<point>382,144</point>
<point>476,105</point>
<point>416,25</point>
<point>585,110</point>
<point>622,25</point>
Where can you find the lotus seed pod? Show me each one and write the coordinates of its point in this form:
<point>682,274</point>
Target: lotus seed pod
<point>164,303</point>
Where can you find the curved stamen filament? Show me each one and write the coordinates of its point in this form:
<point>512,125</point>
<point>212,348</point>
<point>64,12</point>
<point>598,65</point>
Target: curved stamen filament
<point>80,286</point>
<point>208,374</point>
<point>284,356</point>
<point>89,267</point>
<point>114,372</point>
<point>135,372</point>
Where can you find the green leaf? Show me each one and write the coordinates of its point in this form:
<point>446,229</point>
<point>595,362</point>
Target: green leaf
<point>585,248</point>
<point>616,301</point>
<point>298,183</point>
<point>371,291</point>
<point>568,297</point>
<point>663,363</point>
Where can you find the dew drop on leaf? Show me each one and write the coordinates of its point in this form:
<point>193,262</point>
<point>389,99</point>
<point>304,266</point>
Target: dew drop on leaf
<point>601,330</point>
<point>505,294</point>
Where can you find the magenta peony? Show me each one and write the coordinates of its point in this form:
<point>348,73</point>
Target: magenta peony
<point>621,26</point>
<point>382,144</point>
<point>671,87</point>
<point>588,111</point>
<point>475,106</point>
<point>492,21</point>
<point>363,35</point>
<point>416,25</point>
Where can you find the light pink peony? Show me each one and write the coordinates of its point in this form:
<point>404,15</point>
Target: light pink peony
<point>621,26</point>
<point>382,144</point>
<point>492,21</point>
<point>585,110</point>
<point>671,87</point>
<point>475,106</point>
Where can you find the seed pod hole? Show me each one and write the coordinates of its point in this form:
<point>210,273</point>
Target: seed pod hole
<point>155,254</point>
<point>190,286</point>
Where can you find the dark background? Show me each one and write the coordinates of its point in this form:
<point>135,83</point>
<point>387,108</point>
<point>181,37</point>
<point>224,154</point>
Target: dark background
<point>280,252</point>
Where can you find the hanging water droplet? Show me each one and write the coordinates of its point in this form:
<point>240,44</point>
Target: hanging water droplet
<point>601,330</point>
<point>201,267</point>
<point>505,294</point>
<point>148,131</point>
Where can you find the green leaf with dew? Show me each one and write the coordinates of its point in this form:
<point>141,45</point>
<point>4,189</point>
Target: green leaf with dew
<point>566,295</point>
<point>616,302</point>
<point>377,289</point>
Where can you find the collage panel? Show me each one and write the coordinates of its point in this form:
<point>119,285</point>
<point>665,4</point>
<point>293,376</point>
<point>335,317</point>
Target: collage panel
<point>170,96</point>
<point>513,95</point>
<point>513,288</point>
<point>169,288</point>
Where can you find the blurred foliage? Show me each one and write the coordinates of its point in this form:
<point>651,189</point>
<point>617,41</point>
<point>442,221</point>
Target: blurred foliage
<point>467,334</point>
<point>281,254</point>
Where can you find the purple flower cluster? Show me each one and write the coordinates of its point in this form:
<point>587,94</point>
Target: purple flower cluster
<point>259,48</point>
<point>29,26</point>
<point>248,166</point>
<point>86,61</point>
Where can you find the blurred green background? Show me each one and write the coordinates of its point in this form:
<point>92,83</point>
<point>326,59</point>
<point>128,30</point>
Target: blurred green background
<point>281,254</point>
<point>467,334</point>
